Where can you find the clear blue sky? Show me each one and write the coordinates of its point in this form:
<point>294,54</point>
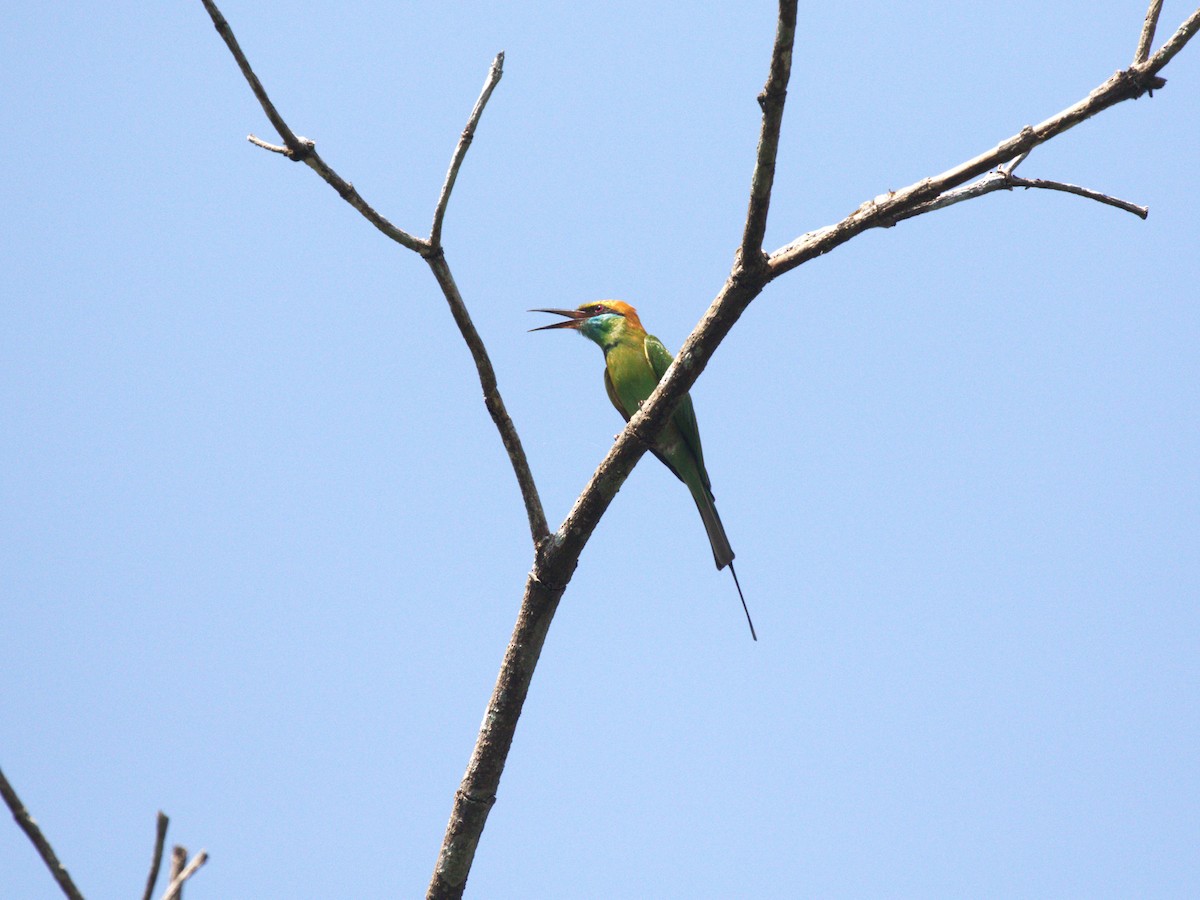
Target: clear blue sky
<point>261,550</point>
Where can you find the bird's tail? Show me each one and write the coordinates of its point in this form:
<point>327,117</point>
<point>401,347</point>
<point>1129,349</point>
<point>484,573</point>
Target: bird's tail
<point>722,551</point>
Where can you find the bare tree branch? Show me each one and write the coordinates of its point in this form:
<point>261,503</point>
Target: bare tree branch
<point>1140,211</point>
<point>1003,180</point>
<point>477,793</point>
<point>274,148</point>
<point>1147,36</point>
<point>298,148</point>
<point>772,99</point>
<point>30,827</point>
<point>460,152</point>
<point>181,873</point>
<point>160,837</point>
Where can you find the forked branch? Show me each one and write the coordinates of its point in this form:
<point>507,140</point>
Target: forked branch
<point>558,554</point>
<point>889,208</point>
<point>430,249</point>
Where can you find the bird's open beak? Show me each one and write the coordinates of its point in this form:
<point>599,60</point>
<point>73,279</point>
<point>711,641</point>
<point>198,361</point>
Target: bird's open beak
<point>574,319</point>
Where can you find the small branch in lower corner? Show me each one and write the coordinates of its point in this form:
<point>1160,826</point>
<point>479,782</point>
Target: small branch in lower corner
<point>27,824</point>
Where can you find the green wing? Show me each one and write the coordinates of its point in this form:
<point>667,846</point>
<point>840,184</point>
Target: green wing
<point>685,415</point>
<point>612,395</point>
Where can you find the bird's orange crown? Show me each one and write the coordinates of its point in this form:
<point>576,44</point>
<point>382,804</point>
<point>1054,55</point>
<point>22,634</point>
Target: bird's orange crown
<point>622,308</point>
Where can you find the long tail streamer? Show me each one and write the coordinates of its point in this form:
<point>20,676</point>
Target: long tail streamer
<point>743,599</point>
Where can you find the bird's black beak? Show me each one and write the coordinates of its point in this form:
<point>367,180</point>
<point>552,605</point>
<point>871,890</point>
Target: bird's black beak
<point>574,318</point>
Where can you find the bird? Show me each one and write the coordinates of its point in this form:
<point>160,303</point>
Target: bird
<point>634,363</point>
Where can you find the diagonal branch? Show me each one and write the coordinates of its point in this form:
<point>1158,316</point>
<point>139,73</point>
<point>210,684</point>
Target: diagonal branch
<point>298,148</point>
<point>460,152</point>
<point>45,851</point>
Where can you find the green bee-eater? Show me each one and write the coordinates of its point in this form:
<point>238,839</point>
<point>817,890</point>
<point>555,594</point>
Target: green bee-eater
<point>634,363</point>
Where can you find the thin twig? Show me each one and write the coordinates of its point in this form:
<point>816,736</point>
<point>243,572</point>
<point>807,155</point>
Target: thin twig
<point>439,213</point>
<point>30,827</point>
<point>274,148</point>
<point>772,99</point>
<point>160,837</point>
<point>429,249</point>
<point>1147,36</point>
<point>1139,211</point>
<point>180,873</point>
